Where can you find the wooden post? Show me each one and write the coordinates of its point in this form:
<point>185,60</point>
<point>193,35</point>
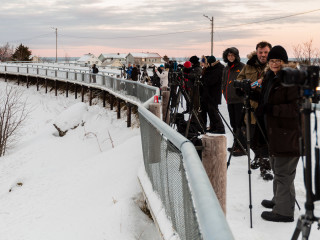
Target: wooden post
<point>155,108</point>
<point>104,98</point>
<point>214,160</point>
<point>165,100</point>
<point>27,82</point>
<point>37,84</point>
<point>129,107</point>
<point>75,91</point>
<point>56,87</point>
<point>111,101</point>
<point>82,93</point>
<point>118,108</point>
<point>90,96</point>
<point>18,80</point>
<point>67,89</point>
<point>5,77</point>
<point>46,84</point>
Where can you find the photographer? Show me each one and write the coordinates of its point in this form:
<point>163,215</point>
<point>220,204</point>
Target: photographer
<point>280,109</point>
<point>155,80</point>
<point>234,102</point>
<point>254,70</point>
<point>211,95</point>
<point>163,75</point>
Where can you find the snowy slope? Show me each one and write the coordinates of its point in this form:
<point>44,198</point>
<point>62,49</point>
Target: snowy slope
<point>79,187</point>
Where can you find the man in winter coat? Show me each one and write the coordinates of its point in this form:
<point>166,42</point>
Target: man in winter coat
<point>234,102</point>
<point>211,95</point>
<point>135,73</point>
<point>128,71</point>
<point>95,70</point>
<point>280,108</point>
<point>255,70</point>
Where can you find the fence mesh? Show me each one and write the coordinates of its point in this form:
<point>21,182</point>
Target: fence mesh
<point>164,166</point>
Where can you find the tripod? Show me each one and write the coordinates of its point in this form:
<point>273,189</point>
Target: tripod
<point>176,90</point>
<point>305,221</point>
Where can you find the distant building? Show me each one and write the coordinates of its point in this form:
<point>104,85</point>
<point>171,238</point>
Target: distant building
<point>109,57</point>
<point>88,60</point>
<point>143,58</point>
<point>36,59</point>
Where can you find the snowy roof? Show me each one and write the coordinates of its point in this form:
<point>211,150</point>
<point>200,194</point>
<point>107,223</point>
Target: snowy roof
<point>86,57</point>
<point>114,55</point>
<point>145,55</point>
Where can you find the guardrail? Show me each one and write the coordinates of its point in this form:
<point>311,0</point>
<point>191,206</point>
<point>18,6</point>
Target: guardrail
<point>171,161</point>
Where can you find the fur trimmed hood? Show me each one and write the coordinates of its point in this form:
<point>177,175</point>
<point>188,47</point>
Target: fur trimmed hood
<point>293,65</point>
<point>233,50</point>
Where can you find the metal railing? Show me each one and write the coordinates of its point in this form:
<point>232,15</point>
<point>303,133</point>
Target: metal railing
<point>171,161</point>
<point>128,90</point>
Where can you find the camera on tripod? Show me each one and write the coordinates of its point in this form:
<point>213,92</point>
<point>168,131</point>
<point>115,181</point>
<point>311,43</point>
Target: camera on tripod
<point>244,85</point>
<point>307,77</point>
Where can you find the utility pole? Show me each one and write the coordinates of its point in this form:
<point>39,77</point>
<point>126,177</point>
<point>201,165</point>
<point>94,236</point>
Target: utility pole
<point>56,29</point>
<point>212,22</point>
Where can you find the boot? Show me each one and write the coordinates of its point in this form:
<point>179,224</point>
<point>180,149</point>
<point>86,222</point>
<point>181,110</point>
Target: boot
<point>255,163</point>
<point>274,217</point>
<point>267,203</point>
<point>265,169</point>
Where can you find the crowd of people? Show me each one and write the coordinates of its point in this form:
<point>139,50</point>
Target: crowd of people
<point>274,114</point>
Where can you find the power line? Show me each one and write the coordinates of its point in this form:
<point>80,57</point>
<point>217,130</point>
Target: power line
<point>270,19</point>
<point>140,36</point>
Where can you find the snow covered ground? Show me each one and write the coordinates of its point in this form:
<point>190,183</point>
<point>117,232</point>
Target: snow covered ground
<point>80,187</point>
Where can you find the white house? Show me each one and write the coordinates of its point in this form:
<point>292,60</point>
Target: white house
<point>143,58</point>
<point>89,59</point>
<point>109,57</point>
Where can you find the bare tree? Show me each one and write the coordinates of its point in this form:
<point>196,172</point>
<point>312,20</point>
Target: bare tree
<point>305,53</point>
<point>6,52</point>
<point>13,112</point>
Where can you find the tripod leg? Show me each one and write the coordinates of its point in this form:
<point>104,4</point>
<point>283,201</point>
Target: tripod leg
<point>297,231</point>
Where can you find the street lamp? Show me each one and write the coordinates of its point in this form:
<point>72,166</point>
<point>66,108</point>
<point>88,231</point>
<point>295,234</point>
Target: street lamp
<point>56,29</point>
<point>211,20</point>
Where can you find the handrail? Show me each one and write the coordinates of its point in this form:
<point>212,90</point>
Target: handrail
<point>210,217</point>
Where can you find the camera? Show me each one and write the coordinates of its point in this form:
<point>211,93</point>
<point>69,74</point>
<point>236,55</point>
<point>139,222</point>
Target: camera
<point>244,84</point>
<point>307,77</point>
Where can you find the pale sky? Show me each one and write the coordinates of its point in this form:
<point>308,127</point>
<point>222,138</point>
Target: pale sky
<point>175,28</point>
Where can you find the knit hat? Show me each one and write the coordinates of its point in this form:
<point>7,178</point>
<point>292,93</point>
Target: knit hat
<point>211,59</point>
<point>187,64</point>
<point>161,65</point>
<point>194,59</point>
<point>278,52</point>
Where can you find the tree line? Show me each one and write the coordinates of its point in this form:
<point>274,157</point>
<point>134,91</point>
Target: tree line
<point>20,53</point>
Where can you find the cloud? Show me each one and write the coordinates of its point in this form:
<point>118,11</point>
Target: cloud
<point>128,24</point>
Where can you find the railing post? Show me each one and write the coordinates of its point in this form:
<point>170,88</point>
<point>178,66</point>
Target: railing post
<point>67,88</point>
<point>18,80</point>
<point>111,101</point>
<point>104,98</point>
<point>75,91</point>
<point>56,87</point>
<point>129,107</point>
<point>118,108</point>
<point>27,82</point>
<point>46,84</point>
<point>90,96</point>
<point>82,93</point>
<point>214,158</point>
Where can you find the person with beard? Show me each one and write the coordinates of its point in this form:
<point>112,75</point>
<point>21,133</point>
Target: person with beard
<point>279,106</point>
<point>255,70</point>
<point>211,95</point>
<point>234,102</point>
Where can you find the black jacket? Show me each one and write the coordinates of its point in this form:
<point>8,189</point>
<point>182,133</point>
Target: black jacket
<point>211,84</point>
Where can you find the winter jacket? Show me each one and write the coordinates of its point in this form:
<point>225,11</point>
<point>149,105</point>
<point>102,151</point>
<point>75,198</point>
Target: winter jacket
<point>211,81</point>
<point>95,70</point>
<point>163,78</point>
<point>230,73</point>
<point>253,70</point>
<point>134,73</point>
<point>281,111</point>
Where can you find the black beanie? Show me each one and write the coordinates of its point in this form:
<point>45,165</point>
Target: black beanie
<point>194,60</point>
<point>278,52</point>
<point>211,59</point>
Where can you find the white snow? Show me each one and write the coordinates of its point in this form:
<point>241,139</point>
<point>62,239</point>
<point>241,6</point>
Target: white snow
<point>80,187</point>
